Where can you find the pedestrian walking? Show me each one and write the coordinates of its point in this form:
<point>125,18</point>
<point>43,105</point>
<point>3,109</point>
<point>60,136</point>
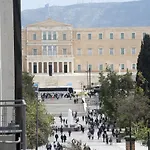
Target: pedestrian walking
<point>65,138</point>
<point>69,132</point>
<point>56,137</point>
<point>62,138</point>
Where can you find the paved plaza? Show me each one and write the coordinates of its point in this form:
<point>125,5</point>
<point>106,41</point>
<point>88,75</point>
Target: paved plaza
<point>62,106</point>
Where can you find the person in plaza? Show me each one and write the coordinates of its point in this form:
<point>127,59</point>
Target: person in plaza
<point>48,146</point>
<point>65,138</point>
<point>110,140</point>
<point>56,129</point>
<point>61,129</point>
<point>62,138</point>
<point>103,137</point>
<point>69,132</point>
<point>82,118</point>
<point>56,137</point>
<point>54,145</point>
<point>107,140</point>
<point>98,135</point>
<point>89,135</point>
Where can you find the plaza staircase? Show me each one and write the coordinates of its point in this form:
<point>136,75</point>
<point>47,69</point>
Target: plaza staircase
<point>55,107</point>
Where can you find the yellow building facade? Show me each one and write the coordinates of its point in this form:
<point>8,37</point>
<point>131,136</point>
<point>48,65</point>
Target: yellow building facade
<point>58,54</point>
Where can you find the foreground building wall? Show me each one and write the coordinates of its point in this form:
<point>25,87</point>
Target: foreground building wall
<point>58,54</point>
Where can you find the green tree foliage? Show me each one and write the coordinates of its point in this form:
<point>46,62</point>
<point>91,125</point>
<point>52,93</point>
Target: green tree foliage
<point>44,119</point>
<point>143,66</point>
<point>114,88</point>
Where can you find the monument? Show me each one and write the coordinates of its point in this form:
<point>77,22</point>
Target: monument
<point>70,118</point>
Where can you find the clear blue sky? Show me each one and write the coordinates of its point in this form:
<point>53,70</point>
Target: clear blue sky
<point>31,4</point>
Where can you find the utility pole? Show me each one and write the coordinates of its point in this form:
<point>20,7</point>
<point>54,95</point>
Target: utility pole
<point>87,75</point>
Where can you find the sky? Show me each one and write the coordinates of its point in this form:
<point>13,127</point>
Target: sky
<point>32,4</point>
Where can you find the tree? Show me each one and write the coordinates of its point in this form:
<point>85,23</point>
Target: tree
<point>114,88</point>
<point>44,119</point>
<point>143,67</point>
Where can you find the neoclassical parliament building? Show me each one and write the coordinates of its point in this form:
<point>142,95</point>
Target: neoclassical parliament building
<point>58,54</point>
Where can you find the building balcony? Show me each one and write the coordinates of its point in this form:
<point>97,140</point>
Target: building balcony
<point>48,57</point>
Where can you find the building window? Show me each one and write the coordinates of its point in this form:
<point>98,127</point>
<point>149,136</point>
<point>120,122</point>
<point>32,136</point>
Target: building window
<point>133,35</point>
<point>89,51</point>
<point>54,35</point>
<point>101,67</point>
<point>133,51</point>
<point>122,66</point>
<point>133,66</point>
<point>89,36</point>
<point>54,50</point>
<point>144,34</point>
<point>64,36</point>
<point>64,51</point>
<point>78,36</point>
<point>44,36</point>
<point>122,51</point>
<point>122,35</point>
<point>79,68</point>
<point>111,36</point>
<point>111,51</point>
<point>34,67</point>
<point>44,50</point>
<point>78,51</point>
<point>34,52</point>
<point>50,51</point>
<point>111,67</point>
<point>34,36</point>
<point>90,67</point>
<point>100,36</point>
<point>49,36</point>
<point>100,51</point>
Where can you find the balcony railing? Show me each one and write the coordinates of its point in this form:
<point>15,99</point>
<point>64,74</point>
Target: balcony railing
<point>13,122</point>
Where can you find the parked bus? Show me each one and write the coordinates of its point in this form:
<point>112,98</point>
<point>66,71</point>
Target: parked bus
<point>59,89</point>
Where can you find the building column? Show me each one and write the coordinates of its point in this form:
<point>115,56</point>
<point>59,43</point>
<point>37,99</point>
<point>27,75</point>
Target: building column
<point>62,67</point>
<point>37,66</point>
<point>57,67</point>
<point>47,67</point>
<point>72,68</point>
<point>53,67</point>
<point>67,67</point>
<point>42,69</point>
<point>32,63</point>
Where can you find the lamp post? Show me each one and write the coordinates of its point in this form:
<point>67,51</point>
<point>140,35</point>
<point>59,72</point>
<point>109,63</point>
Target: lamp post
<point>130,135</point>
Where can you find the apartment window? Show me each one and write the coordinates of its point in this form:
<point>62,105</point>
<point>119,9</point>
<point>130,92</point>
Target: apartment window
<point>133,66</point>
<point>34,52</point>
<point>111,67</point>
<point>64,51</point>
<point>111,36</point>
<point>64,36</point>
<point>122,66</point>
<point>100,36</point>
<point>100,51</point>
<point>50,51</point>
<point>79,68</point>
<point>54,35</point>
<point>89,36</point>
<point>78,36</point>
<point>144,34</point>
<point>54,50</point>
<point>122,51</point>
<point>90,67</point>
<point>49,35</point>
<point>133,51</point>
<point>133,35</point>
<point>111,51</point>
<point>44,50</point>
<point>34,36</point>
<point>100,67</point>
<point>89,51</point>
<point>122,35</point>
<point>78,51</point>
<point>44,36</point>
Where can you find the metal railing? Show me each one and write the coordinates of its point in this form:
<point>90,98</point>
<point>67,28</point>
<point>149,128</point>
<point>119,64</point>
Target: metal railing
<point>12,123</point>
